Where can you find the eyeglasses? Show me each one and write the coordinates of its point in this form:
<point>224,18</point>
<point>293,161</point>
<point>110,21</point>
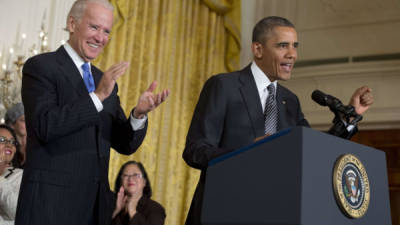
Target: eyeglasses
<point>4,140</point>
<point>135,176</point>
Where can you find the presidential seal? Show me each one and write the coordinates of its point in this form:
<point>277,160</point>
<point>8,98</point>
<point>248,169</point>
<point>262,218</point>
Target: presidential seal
<point>351,186</point>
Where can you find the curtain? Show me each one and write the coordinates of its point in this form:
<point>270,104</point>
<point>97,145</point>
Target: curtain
<point>178,43</point>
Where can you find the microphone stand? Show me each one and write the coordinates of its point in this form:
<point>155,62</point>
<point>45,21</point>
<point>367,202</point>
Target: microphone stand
<point>344,117</point>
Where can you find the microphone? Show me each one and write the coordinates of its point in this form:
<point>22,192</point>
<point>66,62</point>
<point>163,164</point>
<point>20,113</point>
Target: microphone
<point>334,104</point>
<point>344,115</point>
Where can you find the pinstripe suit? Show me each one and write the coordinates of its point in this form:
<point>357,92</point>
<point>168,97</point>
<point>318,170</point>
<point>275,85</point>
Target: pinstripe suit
<point>66,174</point>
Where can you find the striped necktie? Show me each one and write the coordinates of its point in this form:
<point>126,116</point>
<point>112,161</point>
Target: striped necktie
<point>271,111</point>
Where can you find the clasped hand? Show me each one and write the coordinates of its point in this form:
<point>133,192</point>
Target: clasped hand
<point>362,99</point>
<point>125,202</point>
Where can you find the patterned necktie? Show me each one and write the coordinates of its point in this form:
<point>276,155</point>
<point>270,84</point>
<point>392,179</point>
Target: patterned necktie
<point>271,111</point>
<point>87,77</point>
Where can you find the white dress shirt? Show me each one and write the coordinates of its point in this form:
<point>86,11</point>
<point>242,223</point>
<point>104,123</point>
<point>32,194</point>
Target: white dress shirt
<point>262,83</point>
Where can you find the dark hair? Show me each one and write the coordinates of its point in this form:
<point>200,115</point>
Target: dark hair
<point>17,159</point>
<point>265,26</point>
<point>147,188</point>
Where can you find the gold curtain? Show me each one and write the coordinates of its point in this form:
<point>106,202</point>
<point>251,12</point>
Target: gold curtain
<point>178,43</point>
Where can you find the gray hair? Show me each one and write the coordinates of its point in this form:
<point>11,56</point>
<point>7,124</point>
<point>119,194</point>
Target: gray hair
<point>14,113</point>
<point>264,27</point>
<point>79,7</point>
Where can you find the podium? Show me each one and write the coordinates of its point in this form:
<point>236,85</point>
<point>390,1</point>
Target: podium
<point>287,178</point>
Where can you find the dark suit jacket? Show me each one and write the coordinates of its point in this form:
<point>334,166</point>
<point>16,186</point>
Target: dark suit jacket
<point>148,212</point>
<point>65,178</point>
<point>228,116</point>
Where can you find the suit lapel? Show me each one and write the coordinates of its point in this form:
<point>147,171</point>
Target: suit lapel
<point>281,103</point>
<point>70,71</point>
<point>96,75</point>
<point>251,99</point>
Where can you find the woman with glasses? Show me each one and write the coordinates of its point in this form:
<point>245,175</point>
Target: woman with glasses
<point>134,205</point>
<point>10,175</point>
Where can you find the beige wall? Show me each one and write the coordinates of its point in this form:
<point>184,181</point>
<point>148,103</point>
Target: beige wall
<point>27,16</point>
<point>339,29</point>
<point>19,17</point>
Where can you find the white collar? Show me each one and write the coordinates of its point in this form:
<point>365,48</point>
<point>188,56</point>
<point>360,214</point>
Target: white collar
<point>261,79</point>
<point>78,61</point>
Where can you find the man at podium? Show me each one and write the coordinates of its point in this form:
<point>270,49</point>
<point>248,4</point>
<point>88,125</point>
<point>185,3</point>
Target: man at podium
<point>236,108</point>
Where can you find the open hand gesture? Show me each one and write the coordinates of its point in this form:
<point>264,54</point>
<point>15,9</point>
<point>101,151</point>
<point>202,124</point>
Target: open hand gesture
<point>121,202</point>
<point>107,82</point>
<point>149,101</point>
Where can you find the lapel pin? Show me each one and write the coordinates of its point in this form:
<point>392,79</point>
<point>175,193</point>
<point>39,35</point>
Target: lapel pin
<point>284,102</point>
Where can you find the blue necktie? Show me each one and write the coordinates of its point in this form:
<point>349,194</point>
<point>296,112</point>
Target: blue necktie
<point>87,77</point>
<point>271,111</point>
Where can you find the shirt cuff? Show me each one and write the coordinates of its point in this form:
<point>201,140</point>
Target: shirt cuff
<point>137,124</point>
<point>350,127</point>
<point>96,101</point>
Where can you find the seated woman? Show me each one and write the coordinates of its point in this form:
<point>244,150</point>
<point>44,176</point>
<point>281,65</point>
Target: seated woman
<point>10,175</point>
<point>133,205</point>
<point>15,118</point>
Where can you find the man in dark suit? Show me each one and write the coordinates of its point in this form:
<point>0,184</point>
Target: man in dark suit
<point>236,108</point>
<point>73,117</point>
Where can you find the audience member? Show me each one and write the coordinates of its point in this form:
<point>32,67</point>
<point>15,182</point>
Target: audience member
<point>15,118</point>
<point>134,205</point>
<point>10,175</point>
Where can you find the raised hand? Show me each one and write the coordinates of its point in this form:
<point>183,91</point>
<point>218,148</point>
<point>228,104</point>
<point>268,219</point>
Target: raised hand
<point>149,100</point>
<point>107,82</point>
<point>362,99</point>
<point>121,202</point>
